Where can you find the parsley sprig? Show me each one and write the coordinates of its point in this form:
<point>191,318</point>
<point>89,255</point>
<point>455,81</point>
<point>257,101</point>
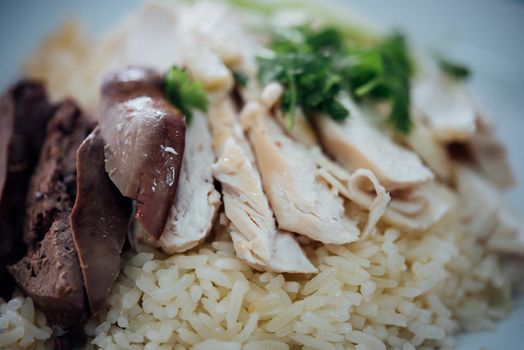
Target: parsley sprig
<point>184,93</point>
<point>316,66</point>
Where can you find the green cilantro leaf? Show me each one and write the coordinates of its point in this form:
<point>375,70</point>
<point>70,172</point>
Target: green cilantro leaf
<point>383,73</point>
<point>309,82</point>
<point>314,66</point>
<point>184,93</point>
<point>453,69</point>
<point>240,78</point>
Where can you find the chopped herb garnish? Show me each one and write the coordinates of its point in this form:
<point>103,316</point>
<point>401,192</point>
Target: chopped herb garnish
<point>184,93</point>
<point>453,69</point>
<point>309,82</point>
<point>382,73</point>
<point>316,66</point>
<point>240,78</point>
<point>303,64</point>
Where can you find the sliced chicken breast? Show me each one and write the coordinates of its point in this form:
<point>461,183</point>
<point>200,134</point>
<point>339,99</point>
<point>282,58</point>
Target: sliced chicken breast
<point>429,148</point>
<point>452,116</point>
<point>301,200</point>
<point>253,229</point>
<point>197,201</point>
<point>435,201</point>
<point>487,215</point>
<point>356,144</point>
<point>413,209</point>
<point>490,155</point>
<point>287,256</point>
<point>447,105</point>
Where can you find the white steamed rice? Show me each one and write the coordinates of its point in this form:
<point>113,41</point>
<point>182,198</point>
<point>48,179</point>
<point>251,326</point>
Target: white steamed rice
<point>392,291</point>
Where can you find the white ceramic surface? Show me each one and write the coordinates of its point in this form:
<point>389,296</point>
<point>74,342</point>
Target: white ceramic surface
<point>487,34</point>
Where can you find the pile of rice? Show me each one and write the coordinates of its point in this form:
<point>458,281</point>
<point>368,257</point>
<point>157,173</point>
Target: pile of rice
<point>395,291</point>
<point>22,326</point>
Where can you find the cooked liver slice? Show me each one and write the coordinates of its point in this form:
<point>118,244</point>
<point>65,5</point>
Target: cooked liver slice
<point>50,272</point>
<point>50,275</point>
<point>24,113</point>
<point>52,189</point>
<point>99,221</point>
<point>144,138</point>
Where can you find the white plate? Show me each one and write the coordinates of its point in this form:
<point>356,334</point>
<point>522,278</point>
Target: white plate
<point>487,34</point>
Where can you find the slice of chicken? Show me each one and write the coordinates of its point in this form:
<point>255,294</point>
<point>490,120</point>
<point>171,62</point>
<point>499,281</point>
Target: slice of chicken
<point>287,257</point>
<point>356,187</point>
<point>454,117</point>
<point>302,202</point>
<point>148,38</point>
<point>487,215</point>
<point>217,27</point>
<point>480,201</point>
<point>417,209</point>
<point>431,150</point>
<point>197,202</point>
<point>356,144</point>
<point>245,203</point>
<point>438,201</point>
<point>490,155</point>
<point>157,37</point>
<point>447,105</point>
<point>253,229</point>
<point>508,236</point>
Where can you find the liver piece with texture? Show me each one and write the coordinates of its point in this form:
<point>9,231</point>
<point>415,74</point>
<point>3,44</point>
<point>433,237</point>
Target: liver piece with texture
<point>144,138</point>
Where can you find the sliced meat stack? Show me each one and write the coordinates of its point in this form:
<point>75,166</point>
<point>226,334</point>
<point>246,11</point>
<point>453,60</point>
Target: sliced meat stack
<point>53,255</point>
<point>254,232</point>
<point>144,135</point>
<point>50,273</point>
<point>24,112</point>
<point>417,201</point>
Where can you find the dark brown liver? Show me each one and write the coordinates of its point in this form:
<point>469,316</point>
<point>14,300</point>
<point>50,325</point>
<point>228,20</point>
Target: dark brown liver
<point>144,135</point>
<point>50,275</point>
<point>24,113</point>
<point>99,221</point>
<point>52,189</point>
<point>50,272</point>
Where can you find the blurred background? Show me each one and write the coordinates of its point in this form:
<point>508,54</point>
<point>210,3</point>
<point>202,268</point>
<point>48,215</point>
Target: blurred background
<point>488,35</point>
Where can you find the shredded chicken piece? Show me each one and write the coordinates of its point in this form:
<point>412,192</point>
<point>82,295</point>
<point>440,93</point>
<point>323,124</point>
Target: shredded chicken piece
<point>287,255</point>
<point>356,144</point>
<point>439,200</point>
<point>253,229</point>
<point>351,187</point>
<point>490,155</point>
<point>447,105</point>
<point>245,203</point>
<point>416,209</point>
<point>452,116</point>
<point>302,203</point>
<point>196,202</point>
<point>431,150</point>
<point>488,215</point>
